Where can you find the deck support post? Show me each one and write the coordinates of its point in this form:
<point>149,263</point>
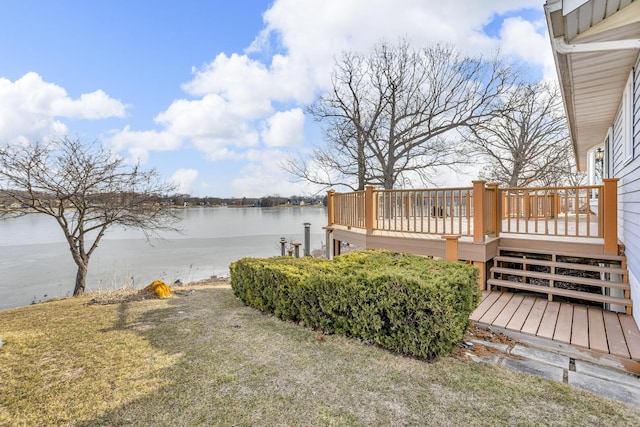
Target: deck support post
<point>482,276</point>
<point>329,242</point>
<point>610,215</point>
<point>451,247</point>
<point>370,205</point>
<point>478,211</point>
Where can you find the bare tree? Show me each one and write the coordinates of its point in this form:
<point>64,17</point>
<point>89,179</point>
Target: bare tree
<point>528,142</point>
<point>389,114</point>
<point>86,190</point>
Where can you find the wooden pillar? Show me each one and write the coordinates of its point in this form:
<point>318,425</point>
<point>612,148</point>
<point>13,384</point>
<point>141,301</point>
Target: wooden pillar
<point>370,208</point>
<point>451,248</point>
<point>482,276</point>
<point>330,205</point>
<point>478,211</point>
<point>495,209</point>
<point>610,215</point>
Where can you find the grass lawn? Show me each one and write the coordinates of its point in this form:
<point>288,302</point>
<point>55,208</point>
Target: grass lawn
<point>202,358</point>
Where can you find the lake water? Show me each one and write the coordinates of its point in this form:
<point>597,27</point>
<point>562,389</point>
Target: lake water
<point>35,260</point>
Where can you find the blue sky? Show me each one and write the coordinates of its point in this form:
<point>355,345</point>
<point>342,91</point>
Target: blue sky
<point>212,93</point>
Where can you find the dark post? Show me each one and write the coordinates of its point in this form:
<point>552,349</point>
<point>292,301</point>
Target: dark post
<point>307,239</point>
<point>283,242</point>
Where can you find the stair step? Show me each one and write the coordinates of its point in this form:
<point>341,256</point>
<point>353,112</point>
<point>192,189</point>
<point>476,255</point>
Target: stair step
<point>561,292</point>
<point>608,257</point>
<point>561,278</point>
<point>583,267</point>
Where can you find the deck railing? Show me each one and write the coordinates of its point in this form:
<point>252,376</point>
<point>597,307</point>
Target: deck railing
<point>349,209</point>
<point>555,211</point>
<point>428,211</point>
<point>484,210</point>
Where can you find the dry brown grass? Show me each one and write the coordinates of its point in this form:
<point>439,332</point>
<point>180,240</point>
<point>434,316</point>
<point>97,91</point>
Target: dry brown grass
<point>202,358</point>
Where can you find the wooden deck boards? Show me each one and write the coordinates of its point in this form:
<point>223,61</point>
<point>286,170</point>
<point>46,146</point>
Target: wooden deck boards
<point>549,320</point>
<point>564,323</point>
<point>585,327</point>
<point>580,327</point>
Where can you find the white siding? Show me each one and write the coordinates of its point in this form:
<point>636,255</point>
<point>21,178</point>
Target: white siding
<point>629,190</point>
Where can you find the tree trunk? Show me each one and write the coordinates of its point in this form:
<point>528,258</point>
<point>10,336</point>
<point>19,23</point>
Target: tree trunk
<point>81,280</point>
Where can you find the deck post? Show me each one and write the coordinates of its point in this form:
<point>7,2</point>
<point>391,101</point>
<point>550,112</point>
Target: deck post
<point>451,246</point>
<point>478,211</point>
<point>482,274</point>
<point>496,212</point>
<point>329,242</point>
<point>330,212</point>
<point>610,215</point>
<point>369,208</point>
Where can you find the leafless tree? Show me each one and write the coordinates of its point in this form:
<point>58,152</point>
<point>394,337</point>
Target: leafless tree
<point>86,190</point>
<point>389,114</point>
<point>528,142</point>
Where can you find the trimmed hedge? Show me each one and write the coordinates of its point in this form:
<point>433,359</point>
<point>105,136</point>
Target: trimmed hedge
<point>406,303</point>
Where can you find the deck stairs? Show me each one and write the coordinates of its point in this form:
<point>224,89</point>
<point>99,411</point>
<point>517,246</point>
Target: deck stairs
<point>600,279</point>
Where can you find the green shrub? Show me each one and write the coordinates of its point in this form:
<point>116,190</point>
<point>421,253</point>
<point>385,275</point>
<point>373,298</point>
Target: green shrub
<point>406,303</point>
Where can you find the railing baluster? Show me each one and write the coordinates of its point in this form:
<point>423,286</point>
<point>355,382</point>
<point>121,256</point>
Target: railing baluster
<point>577,211</point>
<point>566,212</point>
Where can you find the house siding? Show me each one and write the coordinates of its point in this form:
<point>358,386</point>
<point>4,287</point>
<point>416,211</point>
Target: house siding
<point>629,190</point>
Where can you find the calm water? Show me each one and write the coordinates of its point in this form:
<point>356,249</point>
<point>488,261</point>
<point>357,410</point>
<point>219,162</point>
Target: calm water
<point>35,260</point>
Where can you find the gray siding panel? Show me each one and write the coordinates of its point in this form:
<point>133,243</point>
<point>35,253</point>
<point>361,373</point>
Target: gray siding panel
<point>618,148</point>
<point>629,192</point>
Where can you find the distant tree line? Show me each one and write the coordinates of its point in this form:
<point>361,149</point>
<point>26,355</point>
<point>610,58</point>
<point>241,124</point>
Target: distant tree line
<point>182,200</point>
<point>263,202</point>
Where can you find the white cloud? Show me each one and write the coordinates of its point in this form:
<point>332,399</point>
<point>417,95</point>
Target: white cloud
<point>528,40</point>
<point>211,122</point>
<point>312,33</point>
<point>184,179</point>
<point>139,143</point>
<point>284,129</point>
<point>32,109</point>
<point>94,105</point>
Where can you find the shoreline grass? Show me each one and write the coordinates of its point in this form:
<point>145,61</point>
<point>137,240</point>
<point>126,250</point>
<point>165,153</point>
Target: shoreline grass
<point>203,358</point>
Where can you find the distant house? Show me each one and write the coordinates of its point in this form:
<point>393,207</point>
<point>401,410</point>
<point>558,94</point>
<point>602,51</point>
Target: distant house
<point>596,47</point>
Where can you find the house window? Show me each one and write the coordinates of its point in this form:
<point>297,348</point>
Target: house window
<point>627,119</point>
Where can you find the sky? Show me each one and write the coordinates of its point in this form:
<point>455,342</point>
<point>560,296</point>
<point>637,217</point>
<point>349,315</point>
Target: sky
<point>212,93</point>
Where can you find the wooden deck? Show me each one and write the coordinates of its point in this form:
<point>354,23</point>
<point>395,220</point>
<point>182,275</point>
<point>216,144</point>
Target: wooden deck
<point>585,328</point>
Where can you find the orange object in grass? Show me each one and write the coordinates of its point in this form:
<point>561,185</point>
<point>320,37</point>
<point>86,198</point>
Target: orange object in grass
<point>160,288</point>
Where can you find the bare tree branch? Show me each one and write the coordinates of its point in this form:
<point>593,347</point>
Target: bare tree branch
<point>528,143</point>
<point>389,114</point>
<point>86,190</point>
